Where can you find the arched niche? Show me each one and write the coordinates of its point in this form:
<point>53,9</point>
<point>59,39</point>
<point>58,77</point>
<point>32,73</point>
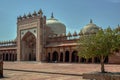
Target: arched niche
<point>28,47</point>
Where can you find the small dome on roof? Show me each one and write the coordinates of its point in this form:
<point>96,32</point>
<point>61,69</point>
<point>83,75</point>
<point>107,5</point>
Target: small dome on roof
<point>56,26</point>
<point>90,28</point>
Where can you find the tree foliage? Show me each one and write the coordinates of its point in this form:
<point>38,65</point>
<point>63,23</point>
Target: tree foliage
<point>101,44</point>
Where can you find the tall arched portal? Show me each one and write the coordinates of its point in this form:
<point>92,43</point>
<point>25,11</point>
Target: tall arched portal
<point>29,47</point>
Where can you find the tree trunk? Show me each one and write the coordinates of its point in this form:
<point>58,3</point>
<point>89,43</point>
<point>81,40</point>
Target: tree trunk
<point>102,64</point>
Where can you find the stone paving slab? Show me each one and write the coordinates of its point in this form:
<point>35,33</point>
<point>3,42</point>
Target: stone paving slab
<point>43,71</point>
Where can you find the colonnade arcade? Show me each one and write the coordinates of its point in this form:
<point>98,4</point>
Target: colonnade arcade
<point>9,55</point>
<point>56,55</point>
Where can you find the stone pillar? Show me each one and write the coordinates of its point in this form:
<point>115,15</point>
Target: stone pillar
<point>8,56</point>
<point>92,59</point>
<point>11,56</point>
<point>18,44</point>
<point>63,56</point>
<point>2,55</point>
<point>26,57</point>
<point>86,60</point>
<point>59,54</point>
<point>46,56</point>
<point>39,41</point>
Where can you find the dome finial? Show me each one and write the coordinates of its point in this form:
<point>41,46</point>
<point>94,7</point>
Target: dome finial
<point>52,15</point>
<point>91,21</point>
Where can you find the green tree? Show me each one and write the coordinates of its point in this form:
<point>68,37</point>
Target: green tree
<point>101,44</point>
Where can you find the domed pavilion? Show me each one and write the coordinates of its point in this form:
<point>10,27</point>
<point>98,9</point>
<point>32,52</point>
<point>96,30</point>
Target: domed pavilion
<point>56,26</point>
<point>90,28</point>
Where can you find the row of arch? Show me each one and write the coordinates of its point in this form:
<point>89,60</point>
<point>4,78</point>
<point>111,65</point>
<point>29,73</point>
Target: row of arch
<point>71,57</point>
<point>63,58</point>
<point>9,55</point>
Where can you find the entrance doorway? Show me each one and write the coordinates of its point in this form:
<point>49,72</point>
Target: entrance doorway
<point>28,47</point>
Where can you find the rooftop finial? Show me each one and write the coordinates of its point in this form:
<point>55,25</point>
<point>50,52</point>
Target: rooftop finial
<point>52,15</point>
<point>40,12</point>
<point>91,21</point>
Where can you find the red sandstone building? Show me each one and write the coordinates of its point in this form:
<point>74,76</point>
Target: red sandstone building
<point>44,40</point>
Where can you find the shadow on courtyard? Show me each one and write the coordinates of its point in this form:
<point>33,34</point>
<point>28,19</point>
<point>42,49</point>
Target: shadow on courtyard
<point>44,72</point>
<point>3,77</point>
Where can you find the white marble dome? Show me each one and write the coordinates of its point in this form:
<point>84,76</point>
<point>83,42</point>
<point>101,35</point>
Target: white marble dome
<point>56,26</point>
<point>90,28</point>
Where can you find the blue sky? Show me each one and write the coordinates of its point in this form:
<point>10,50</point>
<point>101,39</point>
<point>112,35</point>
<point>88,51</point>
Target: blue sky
<point>75,14</point>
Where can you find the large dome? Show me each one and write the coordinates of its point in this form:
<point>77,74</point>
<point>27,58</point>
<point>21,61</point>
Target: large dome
<point>56,26</point>
<point>90,28</point>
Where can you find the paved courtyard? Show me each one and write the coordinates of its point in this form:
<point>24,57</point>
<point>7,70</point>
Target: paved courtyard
<point>51,71</point>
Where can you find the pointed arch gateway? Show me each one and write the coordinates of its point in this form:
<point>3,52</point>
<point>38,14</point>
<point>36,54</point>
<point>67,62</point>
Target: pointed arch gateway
<point>28,46</point>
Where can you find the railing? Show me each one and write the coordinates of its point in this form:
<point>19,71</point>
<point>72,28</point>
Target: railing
<point>8,44</point>
<point>63,38</point>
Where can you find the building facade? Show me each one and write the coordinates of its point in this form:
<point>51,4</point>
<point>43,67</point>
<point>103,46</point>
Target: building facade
<point>45,40</point>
